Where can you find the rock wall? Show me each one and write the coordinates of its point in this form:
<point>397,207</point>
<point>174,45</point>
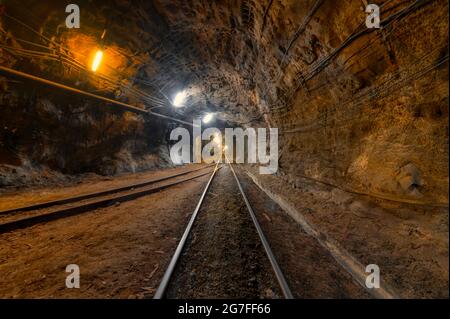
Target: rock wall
<point>374,118</point>
<point>42,133</point>
<point>365,110</point>
<point>49,135</point>
<point>362,109</point>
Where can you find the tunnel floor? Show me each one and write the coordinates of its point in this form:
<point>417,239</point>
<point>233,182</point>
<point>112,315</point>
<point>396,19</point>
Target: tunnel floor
<point>123,249</point>
<point>225,259</point>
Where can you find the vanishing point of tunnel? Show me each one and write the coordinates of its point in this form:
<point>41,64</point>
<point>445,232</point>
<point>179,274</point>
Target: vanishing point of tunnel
<point>249,149</point>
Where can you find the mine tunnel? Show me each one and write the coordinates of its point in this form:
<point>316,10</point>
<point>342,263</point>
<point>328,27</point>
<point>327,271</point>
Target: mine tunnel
<point>257,149</point>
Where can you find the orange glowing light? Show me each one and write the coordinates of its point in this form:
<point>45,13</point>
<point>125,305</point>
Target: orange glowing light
<point>97,60</point>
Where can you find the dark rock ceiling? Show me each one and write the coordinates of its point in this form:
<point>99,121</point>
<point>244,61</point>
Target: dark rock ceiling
<point>212,48</point>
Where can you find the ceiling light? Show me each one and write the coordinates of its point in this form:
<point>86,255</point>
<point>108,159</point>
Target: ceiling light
<point>179,99</point>
<point>208,118</point>
<point>97,60</point>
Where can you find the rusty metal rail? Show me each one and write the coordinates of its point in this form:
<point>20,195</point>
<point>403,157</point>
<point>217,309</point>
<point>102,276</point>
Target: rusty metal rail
<point>97,203</point>
<point>273,262</point>
<point>96,194</point>
<point>176,256</point>
<point>160,292</point>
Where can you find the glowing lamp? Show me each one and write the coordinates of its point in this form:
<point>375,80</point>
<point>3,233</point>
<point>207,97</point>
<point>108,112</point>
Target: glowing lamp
<point>179,99</point>
<point>97,60</point>
<point>208,118</point>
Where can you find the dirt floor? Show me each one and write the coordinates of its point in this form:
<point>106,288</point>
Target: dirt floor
<point>122,251</point>
<point>408,242</point>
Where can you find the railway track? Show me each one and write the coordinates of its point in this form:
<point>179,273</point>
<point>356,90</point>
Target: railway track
<point>171,269</point>
<point>26,216</point>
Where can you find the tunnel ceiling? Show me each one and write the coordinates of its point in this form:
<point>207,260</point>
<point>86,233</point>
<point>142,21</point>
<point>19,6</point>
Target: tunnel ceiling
<point>218,51</point>
<point>244,59</point>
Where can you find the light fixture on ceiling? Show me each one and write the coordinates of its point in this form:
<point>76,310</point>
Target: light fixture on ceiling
<point>99,55</point>
<point>97,60</point>
<point>208,118</point>
<point>180,99</point>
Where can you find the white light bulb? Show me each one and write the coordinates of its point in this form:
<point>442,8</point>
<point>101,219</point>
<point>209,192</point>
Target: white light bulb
<point>179,99</point>
<point>208,118</point>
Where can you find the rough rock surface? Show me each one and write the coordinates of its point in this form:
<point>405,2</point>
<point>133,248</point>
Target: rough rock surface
<point>362,109</point>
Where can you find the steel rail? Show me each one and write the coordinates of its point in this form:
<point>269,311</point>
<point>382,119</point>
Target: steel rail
<point>276,268</point>
<point>86,207</point>
<point>68,200</point>
<point>125,106</point>
<point>173,262</point>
